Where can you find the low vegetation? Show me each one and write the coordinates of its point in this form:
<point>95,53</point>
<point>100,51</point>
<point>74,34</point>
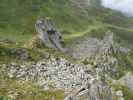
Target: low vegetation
<point>127,93</point>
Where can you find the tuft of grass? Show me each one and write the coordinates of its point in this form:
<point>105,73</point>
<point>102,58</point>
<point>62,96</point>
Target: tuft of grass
<point>128,94</point>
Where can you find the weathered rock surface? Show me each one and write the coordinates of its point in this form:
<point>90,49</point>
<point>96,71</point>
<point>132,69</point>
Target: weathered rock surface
<point>21,54</point>
<point>75,79</point>
<point>78,80</point>
<point>55,73</point>
<point>96,90</point>
<point>91,47</point>
<point>98,53</point>
<point>48,34</point>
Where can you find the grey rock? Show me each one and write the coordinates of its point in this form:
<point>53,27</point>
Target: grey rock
<point>55,73</point>
<point>79,81</point>
<point>21,53</point>
<point>127,80</point>
<point>124,50</point>
<point>45,55</point>
<point>92,47</point>
<point>48,34</point>
<point>119,94</point>
<point>96,90</point>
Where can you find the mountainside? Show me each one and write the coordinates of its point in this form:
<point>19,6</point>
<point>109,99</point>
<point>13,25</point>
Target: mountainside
<point>89,56</point>
<point>70,16</point>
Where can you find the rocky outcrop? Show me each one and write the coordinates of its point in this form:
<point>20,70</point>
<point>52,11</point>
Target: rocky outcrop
<point>55,73</point>
<point>97,53</point>
<point>91,47</point>
<point>127,80</point>
<point>80,81</point>
<point>48,34</point>
<point>95,90</point>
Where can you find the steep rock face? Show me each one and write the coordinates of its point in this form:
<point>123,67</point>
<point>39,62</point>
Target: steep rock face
<point>97,53</point>
<point>48,34</point>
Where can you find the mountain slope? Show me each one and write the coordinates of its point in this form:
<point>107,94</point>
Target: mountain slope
<point>70,16</point>
<point>27,74</point>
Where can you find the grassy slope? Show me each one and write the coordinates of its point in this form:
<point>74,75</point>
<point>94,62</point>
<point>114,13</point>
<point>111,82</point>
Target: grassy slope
<point>18,17</point>
<point>26,91</point>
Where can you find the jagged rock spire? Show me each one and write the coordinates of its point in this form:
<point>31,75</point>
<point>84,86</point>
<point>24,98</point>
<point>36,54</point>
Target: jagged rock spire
<point>48,34</point>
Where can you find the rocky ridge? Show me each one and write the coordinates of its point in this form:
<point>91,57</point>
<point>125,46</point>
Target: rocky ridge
<point>80,81</point>
<point>59,74</point>
<point>92,47</point>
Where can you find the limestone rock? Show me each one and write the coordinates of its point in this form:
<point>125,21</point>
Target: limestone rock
<point>92,47</point>
<point>48,34</point>
<point>58,73</point>
<point>97,53</point>
<point>79,81</point>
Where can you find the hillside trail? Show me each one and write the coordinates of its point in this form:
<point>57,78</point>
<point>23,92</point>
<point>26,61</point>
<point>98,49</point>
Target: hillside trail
<point>82,33</point>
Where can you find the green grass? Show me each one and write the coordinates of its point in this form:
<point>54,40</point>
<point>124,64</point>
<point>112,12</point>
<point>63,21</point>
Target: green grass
<point>18,17</point>
<point>27,91</point>
<point>97,30</point>
<point>7,55</point>
<point>14,36</point>
<point>125,64</point>
<point>127,93</point>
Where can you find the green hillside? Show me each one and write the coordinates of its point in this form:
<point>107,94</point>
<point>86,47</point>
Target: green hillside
<point>74,18</point>
<point>18,17</point>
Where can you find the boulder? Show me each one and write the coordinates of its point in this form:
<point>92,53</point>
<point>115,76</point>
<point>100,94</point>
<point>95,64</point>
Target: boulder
<point>20,53</point>
<point>95,90</point>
